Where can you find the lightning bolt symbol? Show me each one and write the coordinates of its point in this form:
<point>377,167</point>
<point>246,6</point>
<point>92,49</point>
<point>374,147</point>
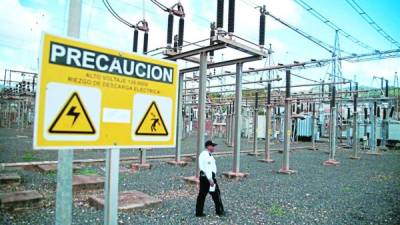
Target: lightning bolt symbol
<point>72,112</point>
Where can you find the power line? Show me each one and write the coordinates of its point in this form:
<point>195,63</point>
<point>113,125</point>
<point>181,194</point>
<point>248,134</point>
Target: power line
<point>320,43</point>
<point>111,10</point>
<point>250,3</point>
<point>371,22</point>
<point>159,5</point>
<point>332,25</point>
<point>305,78</point>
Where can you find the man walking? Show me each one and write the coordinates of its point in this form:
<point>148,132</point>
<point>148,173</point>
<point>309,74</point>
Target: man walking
<point>208,181</point>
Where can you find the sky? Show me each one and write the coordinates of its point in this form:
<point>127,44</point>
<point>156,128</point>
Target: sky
<point>23,22</point>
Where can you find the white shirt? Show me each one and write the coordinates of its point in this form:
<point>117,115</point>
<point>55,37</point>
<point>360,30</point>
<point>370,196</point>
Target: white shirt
<point>207,164</point>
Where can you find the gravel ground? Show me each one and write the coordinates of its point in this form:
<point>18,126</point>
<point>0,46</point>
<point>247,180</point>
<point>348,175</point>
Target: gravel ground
<point>355,192</point>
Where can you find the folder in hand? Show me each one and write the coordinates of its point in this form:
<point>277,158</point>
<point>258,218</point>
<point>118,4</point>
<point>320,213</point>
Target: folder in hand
<point>212,188</point>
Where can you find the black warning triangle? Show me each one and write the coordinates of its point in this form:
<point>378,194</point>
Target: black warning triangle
<point>152,123</point>
<point>72,119</point>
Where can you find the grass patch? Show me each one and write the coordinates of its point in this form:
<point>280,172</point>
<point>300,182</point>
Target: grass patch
<point>277,210</point>
<point>123,177</point>
<point>52,174</point>
<point>345,189</point>
<point>87,171</point>
<point>30,156</point>
<point>382,177</point>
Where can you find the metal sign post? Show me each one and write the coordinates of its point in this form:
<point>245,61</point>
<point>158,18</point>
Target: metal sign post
<point>64,187</point>
<point>111,187</point>
<point>65,156</point>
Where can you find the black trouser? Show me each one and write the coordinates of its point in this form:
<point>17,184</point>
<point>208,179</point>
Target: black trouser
<point>204,190</point>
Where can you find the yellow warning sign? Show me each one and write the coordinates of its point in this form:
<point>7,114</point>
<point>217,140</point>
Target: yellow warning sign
<point>91,97</point>
<point>152,123</point>
<point>72,119</point>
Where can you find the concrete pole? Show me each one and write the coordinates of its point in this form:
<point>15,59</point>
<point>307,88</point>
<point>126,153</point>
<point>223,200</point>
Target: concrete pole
<point>384,128</point>
<point>8,114</point>
<point>285,169</point>
<point>286,135</point>
<point>267,154</point>
<point>273,119</point>
<point>366,125</point>
<point>313,128</point>
<point>65,156</point>
<point>356,139</point>
<point>235,173</point>
<point>228,124</point>
<point>18,105</point>
<point>321,113</point>
<point>332,133</point>
<point>180,126</point>
<point>238,118</point>
<point>373,115</point>
<point>372,134</point>
<point>255,126</point>
<point>201,118</point>
<point>348,127</point>
<point>232,128</point>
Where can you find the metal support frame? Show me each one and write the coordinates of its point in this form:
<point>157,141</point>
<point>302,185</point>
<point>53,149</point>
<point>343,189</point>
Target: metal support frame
<point>238,46</point>
<point>225,63</point>
<point>194,52</point>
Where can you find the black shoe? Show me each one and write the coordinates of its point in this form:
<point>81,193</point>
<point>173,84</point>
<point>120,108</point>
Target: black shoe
<point>201,215</point>
<point>221,214</point>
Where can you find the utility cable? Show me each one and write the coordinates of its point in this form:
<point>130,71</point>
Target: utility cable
<point>113,13</point>
<point>332,25</point>
<point>372,23</point>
